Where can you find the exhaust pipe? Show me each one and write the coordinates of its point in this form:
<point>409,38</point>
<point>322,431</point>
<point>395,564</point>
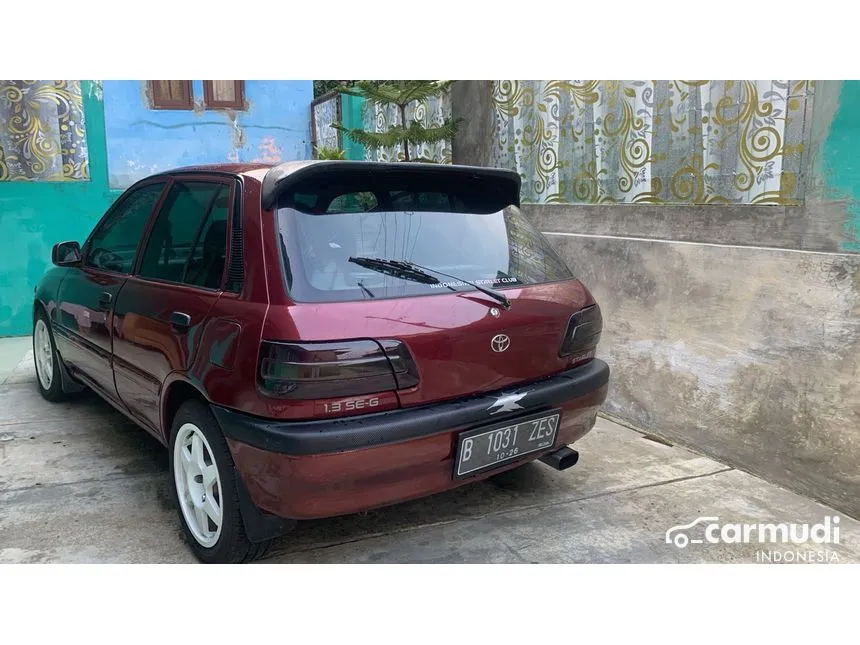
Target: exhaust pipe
<point>561,459</point>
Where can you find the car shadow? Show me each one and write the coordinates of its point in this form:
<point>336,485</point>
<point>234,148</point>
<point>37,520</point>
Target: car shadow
<point>122,436</point>
<point>510,490</point>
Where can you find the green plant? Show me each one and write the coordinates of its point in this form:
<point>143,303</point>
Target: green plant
<point>321,87</point>
<point>400,94</point>
<point>323,152</point>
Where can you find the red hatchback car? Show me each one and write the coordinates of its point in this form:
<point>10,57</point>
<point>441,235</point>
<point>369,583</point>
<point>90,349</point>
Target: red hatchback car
<point>320,338</point>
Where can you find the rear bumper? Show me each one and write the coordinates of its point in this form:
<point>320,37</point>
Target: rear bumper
<point>311,469</point>
<point>369,430</point>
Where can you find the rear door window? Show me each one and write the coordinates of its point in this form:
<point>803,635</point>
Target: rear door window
<point>188,241</point>
<point>209,255</point>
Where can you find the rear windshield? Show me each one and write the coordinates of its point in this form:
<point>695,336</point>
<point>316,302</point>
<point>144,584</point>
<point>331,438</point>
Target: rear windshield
<point>471,238</point>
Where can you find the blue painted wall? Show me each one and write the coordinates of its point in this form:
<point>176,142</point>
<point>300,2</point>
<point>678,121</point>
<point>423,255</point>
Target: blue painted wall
<point>141,141</point>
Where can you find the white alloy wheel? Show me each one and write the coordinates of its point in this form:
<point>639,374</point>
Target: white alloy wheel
<point>198,485</point>
<point>43,353</point>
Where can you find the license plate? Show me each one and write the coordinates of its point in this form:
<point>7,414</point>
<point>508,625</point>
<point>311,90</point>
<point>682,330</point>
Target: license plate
<point>486,448</point>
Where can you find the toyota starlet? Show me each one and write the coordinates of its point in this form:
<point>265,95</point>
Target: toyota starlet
<point>314,339</point>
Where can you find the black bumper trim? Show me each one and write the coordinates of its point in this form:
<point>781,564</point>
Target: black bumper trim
<point>369,430</point>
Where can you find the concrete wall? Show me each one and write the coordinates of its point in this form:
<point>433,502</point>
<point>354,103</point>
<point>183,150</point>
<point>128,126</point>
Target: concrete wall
<point>474,141</point>
<point>749,354</point>
<point>140,141</point>
<point>732,329</point>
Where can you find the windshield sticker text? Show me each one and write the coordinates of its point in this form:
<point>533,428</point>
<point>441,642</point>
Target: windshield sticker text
<point>458,283</point>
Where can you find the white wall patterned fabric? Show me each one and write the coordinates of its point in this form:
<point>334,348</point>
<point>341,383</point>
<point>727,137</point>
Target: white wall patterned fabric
<point>324,113</point>
<point>431,112</point>
<point>42,131</point>
<point>654,141</point>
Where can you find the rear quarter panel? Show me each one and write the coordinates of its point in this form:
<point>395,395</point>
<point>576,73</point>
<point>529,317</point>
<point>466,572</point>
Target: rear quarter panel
<point>225,364</point>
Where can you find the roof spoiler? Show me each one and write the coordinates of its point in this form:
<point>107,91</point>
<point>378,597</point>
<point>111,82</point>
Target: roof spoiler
<point>281,178</point>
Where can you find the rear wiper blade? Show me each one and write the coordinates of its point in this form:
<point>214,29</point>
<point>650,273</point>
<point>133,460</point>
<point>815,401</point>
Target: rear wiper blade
<point>394,268</point>
<point>411,271</point>
<point>499,297</point>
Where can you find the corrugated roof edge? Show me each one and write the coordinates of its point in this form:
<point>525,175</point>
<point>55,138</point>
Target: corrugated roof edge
<point>279,178</point>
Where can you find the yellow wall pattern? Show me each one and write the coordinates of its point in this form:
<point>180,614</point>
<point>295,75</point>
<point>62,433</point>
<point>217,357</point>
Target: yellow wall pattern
<point>42,132</point>
<point>700,142</point>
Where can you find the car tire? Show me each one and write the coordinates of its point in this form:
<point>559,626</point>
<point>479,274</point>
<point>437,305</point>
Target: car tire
<point>46,360</point>
<point>204,494</point>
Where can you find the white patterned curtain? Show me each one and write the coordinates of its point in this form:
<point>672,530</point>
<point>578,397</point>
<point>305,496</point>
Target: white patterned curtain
<point>42,131</point>
<point>654,141</point>
<point>325,112</point>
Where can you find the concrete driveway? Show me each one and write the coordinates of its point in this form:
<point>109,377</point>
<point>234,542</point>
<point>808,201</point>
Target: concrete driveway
<point>80,483</point>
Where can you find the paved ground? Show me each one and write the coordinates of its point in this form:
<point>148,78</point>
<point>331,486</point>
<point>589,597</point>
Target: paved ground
<point>79,483</point>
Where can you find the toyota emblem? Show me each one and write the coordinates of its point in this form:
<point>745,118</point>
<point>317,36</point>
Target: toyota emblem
<point>500,343</point>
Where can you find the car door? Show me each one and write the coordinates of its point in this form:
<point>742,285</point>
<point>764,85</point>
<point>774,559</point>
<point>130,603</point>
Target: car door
<point>88,293</point>
<point>160,312</point>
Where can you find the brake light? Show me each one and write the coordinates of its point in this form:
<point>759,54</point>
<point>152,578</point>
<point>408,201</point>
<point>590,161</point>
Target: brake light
<point>582,334</point>
<point>334,369</point>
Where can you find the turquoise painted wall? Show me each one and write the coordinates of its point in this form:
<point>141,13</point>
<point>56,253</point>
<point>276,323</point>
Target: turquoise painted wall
<point>36,215</point>
<point>841,160</point>
<point>350,111</point>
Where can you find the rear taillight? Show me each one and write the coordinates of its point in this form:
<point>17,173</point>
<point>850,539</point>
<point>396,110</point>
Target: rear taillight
<point>335,369</point>
<point>582,334</point>
<point>405,370</point>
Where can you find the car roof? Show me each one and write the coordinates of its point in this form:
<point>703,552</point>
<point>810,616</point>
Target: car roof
<point>250,169</point>
<point>253,169</point>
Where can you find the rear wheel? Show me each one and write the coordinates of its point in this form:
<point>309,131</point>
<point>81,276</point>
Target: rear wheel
<point>46,359</point>
<point>203,475</point>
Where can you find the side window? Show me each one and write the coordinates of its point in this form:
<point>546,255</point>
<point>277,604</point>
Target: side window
<point>112,247</point>
<point>188,242</point>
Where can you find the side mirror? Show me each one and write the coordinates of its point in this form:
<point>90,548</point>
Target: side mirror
<point>66,254</point>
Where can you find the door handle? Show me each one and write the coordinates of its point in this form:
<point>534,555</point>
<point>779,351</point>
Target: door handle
<point>105,299</point>
<point>180,321</point>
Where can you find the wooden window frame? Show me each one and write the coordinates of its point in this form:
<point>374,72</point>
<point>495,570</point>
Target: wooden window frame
<point>237,104</point>
<point>158,103</point>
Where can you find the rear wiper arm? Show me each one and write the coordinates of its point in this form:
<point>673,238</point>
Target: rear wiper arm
<point>411,271</point>
<point>499,297</point>
<point>365,289</point>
